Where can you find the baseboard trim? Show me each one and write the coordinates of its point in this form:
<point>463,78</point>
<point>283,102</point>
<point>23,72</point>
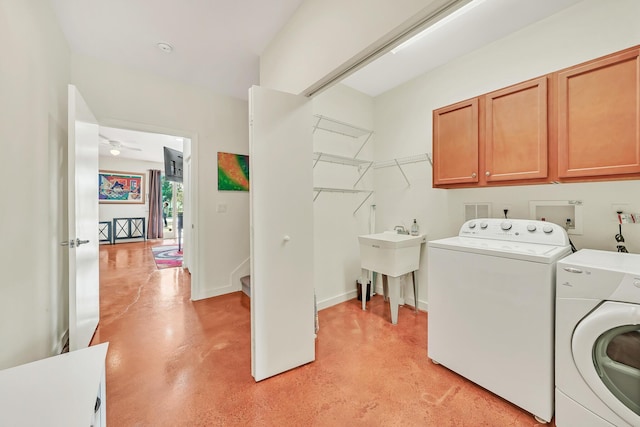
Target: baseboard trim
<point>209,293</point>
<point>326,303</point>
<point>330,302</point>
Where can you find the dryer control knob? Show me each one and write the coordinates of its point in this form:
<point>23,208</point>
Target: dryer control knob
<point>531,227</point>
<point>636,283</point>
<point>472,225</point>
<point>484,225</point>
<point>506,225</point>
<point>547,229</point>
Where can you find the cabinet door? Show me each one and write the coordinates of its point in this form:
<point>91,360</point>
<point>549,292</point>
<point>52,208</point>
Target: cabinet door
<point>516,132</point>
<point>598,117</point>
<point>455,144</point>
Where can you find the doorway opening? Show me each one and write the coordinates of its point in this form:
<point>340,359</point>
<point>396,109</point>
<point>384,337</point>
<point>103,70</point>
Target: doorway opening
<point>172,207</point>
<point>139,151</point>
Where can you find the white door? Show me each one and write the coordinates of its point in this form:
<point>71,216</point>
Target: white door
<point>281,193</point>
<point>84,309</point>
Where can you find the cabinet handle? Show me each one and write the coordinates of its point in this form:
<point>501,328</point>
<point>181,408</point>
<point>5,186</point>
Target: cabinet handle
<point>473,175</point>
<point>487,173</point>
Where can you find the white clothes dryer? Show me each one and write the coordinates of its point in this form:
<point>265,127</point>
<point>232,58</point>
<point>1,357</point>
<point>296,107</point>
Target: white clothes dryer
<point>491,307</point>
<point>598,340</point>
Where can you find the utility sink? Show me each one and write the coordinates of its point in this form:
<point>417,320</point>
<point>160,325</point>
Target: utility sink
<point>390,253</point>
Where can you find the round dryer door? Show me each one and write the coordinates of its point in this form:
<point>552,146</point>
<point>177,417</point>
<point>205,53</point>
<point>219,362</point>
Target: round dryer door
<point>606,350</point>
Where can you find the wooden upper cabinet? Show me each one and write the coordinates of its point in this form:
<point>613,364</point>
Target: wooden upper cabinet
<point>578,124</point>
<point>516,132</point>
<point>599,117</point>
<point>455,144</point>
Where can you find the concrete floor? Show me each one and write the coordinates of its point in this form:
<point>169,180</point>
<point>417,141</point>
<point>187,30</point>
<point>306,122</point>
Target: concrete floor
<point>174,362</point>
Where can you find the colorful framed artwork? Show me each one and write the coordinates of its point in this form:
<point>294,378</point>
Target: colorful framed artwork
<point>233,172</point>
<point>120,187</point>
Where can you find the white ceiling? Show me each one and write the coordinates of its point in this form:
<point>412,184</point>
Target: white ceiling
<point>217,43</point>
<point>150,144</point>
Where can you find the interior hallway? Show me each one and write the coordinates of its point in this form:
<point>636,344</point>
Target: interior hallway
<point>173,362</point>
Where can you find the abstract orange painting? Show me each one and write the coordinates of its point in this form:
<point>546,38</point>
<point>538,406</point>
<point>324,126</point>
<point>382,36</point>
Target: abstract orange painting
<point>233,172</point>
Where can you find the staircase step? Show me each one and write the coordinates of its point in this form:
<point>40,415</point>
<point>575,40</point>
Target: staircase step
<point>246,285</point>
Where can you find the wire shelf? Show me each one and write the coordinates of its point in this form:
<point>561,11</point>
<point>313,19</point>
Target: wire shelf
<point>342,128</point>
<point>341,160</point>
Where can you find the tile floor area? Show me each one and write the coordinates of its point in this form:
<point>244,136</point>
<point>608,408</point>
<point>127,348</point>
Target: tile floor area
<point>174,362</point>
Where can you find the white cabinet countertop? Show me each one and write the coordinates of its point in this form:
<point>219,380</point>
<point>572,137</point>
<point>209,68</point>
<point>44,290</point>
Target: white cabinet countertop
<point>57,391</point>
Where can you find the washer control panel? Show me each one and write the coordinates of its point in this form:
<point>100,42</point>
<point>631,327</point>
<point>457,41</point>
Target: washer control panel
<point>516,230</point>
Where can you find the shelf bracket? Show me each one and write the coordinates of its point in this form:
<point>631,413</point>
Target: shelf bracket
<point>317,194</point>
<point>363,144</point>
<point>317,160</point>
<point>402,172</point>
<point>365,199</point>
<point>315,127</point>
<point>363,174</point>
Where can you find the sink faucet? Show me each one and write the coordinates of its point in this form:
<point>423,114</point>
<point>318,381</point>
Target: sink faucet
<point>400,229</point>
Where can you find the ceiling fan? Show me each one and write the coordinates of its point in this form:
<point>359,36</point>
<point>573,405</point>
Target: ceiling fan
<point>116,146</point>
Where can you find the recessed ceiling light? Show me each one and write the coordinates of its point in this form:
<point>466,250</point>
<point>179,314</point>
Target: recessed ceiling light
<point>165,47</point>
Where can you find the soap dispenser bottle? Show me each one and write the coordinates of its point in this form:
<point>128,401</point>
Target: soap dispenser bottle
<point>415,229</point>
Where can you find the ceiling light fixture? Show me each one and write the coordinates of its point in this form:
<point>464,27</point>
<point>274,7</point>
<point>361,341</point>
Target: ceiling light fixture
<point>165,47</point>
<point>438,24</point>
<point>114,151</point>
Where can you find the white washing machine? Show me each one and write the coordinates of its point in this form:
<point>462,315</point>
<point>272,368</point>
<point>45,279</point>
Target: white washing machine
<point>598,340</point>
<point>491,293</point>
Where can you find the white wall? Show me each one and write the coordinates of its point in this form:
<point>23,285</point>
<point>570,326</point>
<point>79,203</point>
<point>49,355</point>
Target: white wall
<point>34,73</point>
<point>326,36</point>
<point>108,211</point>
<point>403,126</point>
<point>123,97</point>
<point>336,249</point>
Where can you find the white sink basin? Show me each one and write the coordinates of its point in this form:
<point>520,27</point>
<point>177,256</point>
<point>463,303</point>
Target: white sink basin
<point>390,253</point>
